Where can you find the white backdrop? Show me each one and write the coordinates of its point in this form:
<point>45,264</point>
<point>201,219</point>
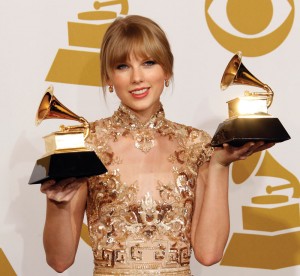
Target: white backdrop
<point>32,32</point>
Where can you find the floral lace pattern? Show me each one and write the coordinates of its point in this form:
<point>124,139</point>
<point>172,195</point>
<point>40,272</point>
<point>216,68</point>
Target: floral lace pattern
<point>132,231</point>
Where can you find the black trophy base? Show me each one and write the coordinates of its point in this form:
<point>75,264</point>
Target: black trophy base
<point>67,164</point>
<point>240,131</point>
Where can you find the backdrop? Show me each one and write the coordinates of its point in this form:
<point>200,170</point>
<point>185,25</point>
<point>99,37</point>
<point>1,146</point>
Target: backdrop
<point>57,43</point>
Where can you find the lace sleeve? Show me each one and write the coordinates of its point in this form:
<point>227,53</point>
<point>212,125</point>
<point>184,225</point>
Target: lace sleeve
<point>200,148</point>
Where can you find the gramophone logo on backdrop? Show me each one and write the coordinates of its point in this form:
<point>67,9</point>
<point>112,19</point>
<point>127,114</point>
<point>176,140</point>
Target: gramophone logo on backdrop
<point>271,239</point>
<point>255,27</point>
<point>5,267</point>
<point>80,63</point>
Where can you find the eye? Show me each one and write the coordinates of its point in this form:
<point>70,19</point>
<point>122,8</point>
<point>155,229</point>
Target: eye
<point>122,66</point>
<point>149,63</point>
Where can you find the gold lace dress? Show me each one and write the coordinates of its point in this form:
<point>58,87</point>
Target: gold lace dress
<point>139,213</point>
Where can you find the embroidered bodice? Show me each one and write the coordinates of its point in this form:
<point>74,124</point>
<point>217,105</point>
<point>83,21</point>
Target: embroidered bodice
<point>139,213</point>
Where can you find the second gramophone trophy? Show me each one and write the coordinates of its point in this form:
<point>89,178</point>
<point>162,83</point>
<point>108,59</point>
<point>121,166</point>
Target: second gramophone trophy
<point>248,115</point>
<point>66,154</point>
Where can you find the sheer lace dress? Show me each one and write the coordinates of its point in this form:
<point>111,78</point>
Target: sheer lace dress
<point>139,213</point>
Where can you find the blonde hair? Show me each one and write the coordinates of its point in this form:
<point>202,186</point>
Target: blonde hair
<point>135,35</point>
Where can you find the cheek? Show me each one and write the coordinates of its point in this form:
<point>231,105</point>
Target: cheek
<point>160,83</point>
<point>120,81</point>
<point>159,78</point>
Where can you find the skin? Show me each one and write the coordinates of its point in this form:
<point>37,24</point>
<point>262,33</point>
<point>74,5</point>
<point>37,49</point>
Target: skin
<point>139,83</point>
<point>135,76</point>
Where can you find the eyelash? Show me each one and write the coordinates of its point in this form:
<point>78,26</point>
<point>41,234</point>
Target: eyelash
<point>147,63</point>
<point>121,66</point>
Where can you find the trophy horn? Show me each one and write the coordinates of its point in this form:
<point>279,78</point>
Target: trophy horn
<point>66,152</point>
<point>237,73</point>
<point>51,108</point>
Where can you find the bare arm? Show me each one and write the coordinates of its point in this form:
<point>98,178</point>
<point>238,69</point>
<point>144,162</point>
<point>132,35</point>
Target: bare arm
<point>210,227</point>
<point>64,218</point>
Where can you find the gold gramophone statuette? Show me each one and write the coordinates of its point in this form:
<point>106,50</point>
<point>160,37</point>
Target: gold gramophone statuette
<point>66,154</point>
<point>249,119</point>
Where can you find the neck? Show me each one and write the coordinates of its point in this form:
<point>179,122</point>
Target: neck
<point>145,115</point>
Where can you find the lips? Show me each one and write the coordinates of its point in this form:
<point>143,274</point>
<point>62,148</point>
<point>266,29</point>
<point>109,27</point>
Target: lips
<point>140,93</point>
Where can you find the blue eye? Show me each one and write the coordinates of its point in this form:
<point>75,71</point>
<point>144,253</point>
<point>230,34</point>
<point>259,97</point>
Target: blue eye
<point>149,62</point>
<point>122,66</point>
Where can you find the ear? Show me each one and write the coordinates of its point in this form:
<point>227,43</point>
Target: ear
<point>167,76</point>
<point>108,80</point>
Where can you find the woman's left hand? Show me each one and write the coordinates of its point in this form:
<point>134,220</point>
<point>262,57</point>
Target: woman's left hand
<point>227,154</point>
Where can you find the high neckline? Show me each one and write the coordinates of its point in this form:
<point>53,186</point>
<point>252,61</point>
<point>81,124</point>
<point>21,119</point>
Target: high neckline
<point>127,119</point>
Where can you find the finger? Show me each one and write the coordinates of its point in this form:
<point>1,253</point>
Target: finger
<point>68,195</point>
<point>66,181</point>
<point>46,185</point>
<point>63,195</point>
<point>57,195</point>
<point>66,190</point>
<point>246,149</point>
<point>227,147</point>
<point>266,146</point>
<point>262,146</point>
<point>59,185</point>
<point>259,146</point>
<point>54,185</point>
<point>72,186</point>
<point>242,152</point>
<point>253,148</point>
<point>75,184</point>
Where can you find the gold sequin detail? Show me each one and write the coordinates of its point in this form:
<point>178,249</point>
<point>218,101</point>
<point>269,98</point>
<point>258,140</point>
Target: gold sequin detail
<point>134,235</point>
<point>137,272</point>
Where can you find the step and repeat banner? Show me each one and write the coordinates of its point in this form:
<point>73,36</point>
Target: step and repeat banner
<point>57,43</point>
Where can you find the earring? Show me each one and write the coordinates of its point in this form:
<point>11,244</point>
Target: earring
<point>167,83</point>
<point>111,89</point>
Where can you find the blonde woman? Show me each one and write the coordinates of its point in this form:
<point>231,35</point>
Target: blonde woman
<point>166,190</point>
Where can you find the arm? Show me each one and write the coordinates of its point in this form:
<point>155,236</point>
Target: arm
<point>64,217</point>
<point>210,226</point>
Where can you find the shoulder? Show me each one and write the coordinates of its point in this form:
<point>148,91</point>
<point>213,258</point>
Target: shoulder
<point>99,128</point>
<point>192,134</point>
<point>196,141</point>
<point>101,125</point>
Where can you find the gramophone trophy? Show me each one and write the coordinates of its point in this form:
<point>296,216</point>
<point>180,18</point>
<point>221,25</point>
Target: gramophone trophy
<point>66,154</point>
<point>248,115</point>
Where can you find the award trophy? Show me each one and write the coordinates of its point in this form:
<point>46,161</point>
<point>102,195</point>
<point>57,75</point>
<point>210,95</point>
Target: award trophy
<point>66,154</point>
<point>248,115</point>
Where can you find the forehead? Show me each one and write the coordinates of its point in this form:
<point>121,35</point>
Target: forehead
<point>137,56</point>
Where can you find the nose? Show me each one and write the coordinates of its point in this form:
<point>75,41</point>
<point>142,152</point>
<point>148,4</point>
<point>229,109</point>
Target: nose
<point>137,75</point>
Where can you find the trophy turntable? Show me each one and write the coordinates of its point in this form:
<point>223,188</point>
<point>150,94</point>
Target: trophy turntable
<point>248,115</point>
<point>66,154</point>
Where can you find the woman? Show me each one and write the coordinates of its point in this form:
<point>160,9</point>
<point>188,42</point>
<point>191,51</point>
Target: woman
<point>166,190</point>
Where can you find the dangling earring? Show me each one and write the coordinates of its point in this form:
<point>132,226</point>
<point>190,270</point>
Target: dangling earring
<point>111,89</point>
<point>167,83</point>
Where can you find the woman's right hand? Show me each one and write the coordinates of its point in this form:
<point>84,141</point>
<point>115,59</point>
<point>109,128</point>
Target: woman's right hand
<point>63,190</point>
